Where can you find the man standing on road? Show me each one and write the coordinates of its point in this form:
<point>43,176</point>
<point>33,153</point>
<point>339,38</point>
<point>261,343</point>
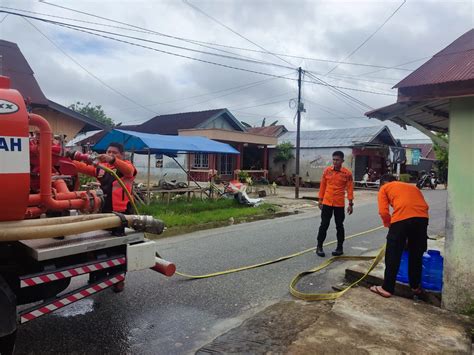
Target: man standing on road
<point>336,180</point>
<point>408,226</point>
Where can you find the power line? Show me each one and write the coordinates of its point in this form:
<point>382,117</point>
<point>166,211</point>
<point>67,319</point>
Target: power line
<point>135,28</point>
<point>151,48</point>
<point>235,32</point>
<point>343,94</point>
<point>196,42</point>
<point>395,66</point>
<point>86,70</point>
<point>265,104</point>
<point>233,89</point>
<point>80,29</point>
<point>368,38</point>
<point>85,29</point>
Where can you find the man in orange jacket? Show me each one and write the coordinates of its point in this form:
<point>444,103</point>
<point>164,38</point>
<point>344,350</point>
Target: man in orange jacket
<point>336,180</point>
<point>116,199</point>
<point>408,226</point>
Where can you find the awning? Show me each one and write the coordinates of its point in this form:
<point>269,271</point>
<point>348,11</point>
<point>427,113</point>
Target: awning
<point>431,114</point>
<point>162,144</point>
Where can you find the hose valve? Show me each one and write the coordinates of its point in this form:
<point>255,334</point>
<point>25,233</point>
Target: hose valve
<point>147,224</point>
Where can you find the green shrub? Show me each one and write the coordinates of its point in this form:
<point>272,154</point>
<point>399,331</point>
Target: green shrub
<point>405,177</point>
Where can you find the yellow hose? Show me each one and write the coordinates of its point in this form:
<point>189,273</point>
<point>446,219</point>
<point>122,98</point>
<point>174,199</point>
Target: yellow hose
<point>230,271</point>
<point>302,295</point>
<point>121,183</point>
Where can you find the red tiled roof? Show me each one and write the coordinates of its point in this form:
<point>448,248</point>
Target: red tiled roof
<point>272,131</point>
<point>15,66</point>
<point>453,64</point>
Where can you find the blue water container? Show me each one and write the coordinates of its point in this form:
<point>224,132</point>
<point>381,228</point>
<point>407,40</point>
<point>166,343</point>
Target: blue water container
<point>432,274</point>
<point>402,274</point>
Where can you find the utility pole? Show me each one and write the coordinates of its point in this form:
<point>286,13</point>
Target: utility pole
<point>298,124</point>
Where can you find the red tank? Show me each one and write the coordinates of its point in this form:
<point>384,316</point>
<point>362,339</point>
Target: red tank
<point>14,153</point>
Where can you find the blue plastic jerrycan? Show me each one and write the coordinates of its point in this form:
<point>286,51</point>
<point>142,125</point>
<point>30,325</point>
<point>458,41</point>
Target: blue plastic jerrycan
<point>432,274</point>
<point>402,275</point>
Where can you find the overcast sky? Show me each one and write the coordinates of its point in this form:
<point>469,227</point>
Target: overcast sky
<point>134,84</point>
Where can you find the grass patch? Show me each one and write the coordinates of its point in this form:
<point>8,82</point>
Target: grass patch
<point>196,211</point>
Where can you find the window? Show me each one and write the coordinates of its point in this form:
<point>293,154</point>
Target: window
<point>158,160</point>
<point>226,164</point>
<point>201,160</point>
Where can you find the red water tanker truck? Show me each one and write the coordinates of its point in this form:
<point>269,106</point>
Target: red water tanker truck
<point>52,231</point>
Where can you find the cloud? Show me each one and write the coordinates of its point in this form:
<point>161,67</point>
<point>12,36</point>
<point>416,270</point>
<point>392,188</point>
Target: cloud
<point>166,84</point>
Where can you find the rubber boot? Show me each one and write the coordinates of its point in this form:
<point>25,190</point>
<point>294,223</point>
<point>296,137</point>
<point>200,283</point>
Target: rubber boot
<point>338,252</point>
<point>320,251</point>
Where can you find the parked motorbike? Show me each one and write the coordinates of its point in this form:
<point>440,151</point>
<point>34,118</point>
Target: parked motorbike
<point>427,180</point>
<point>171,184</point>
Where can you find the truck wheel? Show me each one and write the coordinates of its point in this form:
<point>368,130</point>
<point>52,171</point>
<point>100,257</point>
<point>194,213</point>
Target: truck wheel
<point>118,287</point>
<point>7,344</point>
<point>7,318</point>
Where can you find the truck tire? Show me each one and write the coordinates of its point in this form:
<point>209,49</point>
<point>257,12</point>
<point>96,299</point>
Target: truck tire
<point>7,344</point>
<point>7,319</point>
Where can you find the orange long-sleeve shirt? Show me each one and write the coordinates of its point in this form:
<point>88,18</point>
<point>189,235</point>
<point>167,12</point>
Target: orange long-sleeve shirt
<point>334,184</point>
<point>406,200</point>
<point>124,166</point>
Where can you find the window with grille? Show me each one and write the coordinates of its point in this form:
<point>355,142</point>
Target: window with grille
<point>201,160</point>
<point>226,164</point>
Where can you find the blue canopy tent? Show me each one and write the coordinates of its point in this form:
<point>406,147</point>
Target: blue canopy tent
<point>146,143</point>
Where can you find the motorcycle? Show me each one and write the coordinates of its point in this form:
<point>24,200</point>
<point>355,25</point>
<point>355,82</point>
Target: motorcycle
<point>427,180</point>
<point>171,184</point>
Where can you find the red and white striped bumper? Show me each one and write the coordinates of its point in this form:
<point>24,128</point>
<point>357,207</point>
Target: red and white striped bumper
<point>37,279</point>
<point>67,299</point>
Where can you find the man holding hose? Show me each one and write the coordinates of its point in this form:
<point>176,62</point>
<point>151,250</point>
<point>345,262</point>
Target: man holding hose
<point>116,199</point>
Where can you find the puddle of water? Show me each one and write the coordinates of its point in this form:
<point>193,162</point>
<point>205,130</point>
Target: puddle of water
<point>78,308</point>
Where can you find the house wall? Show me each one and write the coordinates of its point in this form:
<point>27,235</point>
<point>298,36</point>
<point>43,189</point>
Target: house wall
<point>172,170</point>
<point>313,161</point>
<point>219,122</point>
<point>458,293</point>
<point>60,123</point>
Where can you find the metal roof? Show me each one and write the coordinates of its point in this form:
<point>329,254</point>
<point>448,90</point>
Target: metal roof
<point>346,137</point>
<point>172,123</point>
<point>273,131</point>
<point>433,115</point>
<point>453,64</point>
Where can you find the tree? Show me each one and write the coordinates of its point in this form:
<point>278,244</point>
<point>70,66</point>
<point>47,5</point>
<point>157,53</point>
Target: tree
<point>284,152</point>
<point>442,155</point>
<point>95,112</point>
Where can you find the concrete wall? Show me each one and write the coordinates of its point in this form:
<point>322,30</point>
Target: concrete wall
<point>313,161</point>
<point>458,291</point>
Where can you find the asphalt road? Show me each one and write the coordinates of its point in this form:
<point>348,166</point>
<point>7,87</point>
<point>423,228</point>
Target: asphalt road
<point>159,315</point>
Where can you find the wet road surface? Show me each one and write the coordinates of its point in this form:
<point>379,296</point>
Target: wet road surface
<point>159,315</point>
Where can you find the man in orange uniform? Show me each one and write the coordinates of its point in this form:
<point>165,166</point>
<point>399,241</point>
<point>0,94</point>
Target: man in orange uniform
<point>336,180</point>
<point>407,225</point>
<point>116,199</point>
